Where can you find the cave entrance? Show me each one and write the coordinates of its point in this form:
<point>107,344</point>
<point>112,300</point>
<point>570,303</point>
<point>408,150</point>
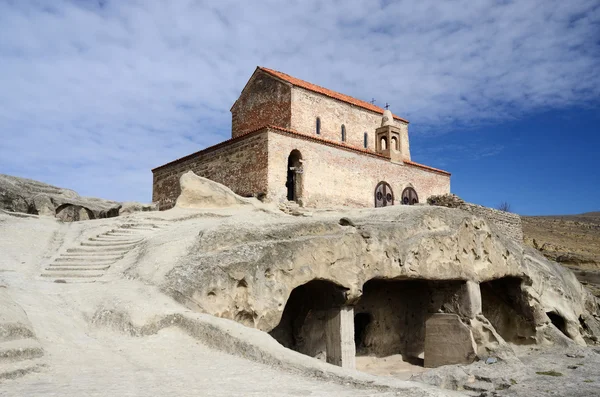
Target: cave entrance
<point>305,317</point>
<point>390,322</point>
<point>361,322</point>
<point>504,304</point>
<point>559,322</point>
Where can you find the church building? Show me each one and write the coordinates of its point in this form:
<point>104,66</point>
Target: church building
<point>295,141</point>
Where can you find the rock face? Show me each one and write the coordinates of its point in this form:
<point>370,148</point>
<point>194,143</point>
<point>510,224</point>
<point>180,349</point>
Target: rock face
<point>199,192</point>
<point>33,197</point>
<point>396,267</point>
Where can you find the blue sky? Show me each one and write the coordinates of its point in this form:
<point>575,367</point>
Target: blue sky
<point>503,94</point>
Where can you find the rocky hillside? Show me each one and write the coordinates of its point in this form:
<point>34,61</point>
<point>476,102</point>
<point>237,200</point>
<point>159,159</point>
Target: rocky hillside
<point>38,198</point>
<point>572,240</point>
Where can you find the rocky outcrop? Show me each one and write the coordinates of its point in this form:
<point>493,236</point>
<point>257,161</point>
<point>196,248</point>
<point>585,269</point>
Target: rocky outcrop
<point>202,193</point>
<point>399,263</point>
<point>33,197</point>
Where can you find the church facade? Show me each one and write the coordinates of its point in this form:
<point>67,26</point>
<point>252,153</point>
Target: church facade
<point>295,141</point>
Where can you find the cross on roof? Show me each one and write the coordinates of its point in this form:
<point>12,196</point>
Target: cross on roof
<point>373,101</point>
<point>387,105</point>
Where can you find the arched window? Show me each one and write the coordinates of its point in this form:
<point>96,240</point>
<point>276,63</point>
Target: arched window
<point>318,125</point>
<point>394,144</point>
<point>383,143</point>
<point>366,140</point>
<point>343,133</point>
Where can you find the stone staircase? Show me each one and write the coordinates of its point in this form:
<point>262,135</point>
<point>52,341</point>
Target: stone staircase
<point>89,261</point>
<point>20,352</point>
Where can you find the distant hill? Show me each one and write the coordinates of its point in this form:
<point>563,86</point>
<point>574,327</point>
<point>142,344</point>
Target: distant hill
<point>572,240</point>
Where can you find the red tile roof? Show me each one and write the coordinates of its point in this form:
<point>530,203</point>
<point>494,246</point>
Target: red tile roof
<point>301,136</point>
<point>324,91</point>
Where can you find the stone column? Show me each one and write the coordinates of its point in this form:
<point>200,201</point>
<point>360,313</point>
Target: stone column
<point>470,300</point>
<point>339,335</point>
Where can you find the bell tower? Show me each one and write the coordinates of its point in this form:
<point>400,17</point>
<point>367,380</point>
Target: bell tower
<point>392,141</point>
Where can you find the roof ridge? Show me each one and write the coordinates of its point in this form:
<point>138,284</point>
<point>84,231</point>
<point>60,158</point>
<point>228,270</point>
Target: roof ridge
<point>326,91</point>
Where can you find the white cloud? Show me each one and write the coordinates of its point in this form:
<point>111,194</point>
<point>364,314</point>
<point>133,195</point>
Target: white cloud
<point>93,96</point>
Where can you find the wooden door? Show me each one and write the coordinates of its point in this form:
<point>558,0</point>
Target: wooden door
<point>409,196</point>
<point>384,195</point>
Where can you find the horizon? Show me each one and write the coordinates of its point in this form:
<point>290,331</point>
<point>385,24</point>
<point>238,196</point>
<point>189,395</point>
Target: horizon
<point>503,95</point>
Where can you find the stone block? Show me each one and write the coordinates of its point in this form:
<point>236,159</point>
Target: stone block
<point>448,341</point>
<point>470,300</point>
<point>339,335</point>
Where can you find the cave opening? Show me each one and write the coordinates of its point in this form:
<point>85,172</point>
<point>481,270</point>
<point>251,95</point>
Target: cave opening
<point>559,322</point>
<point>303,322</point>
<point>505,305</point>
<point>392,315</point>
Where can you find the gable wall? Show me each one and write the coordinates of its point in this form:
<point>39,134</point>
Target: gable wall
<point>265,101</point>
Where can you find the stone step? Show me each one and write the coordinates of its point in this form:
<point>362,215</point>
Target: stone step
<point>91,254</point>
<point>77,264</point>
<point>14,370</point>
<point>78,267</point>
<point>117,238</point>
<point>74,274</point>
<point>20,349</point>
<point>87,259</point>
<point>122,232</point>
<point>106,244</point>
<point>92,250</point>
<point>13,331</point>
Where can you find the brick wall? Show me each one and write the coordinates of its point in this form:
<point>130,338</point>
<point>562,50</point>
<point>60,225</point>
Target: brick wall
<point>333,176</point>
<point>240,164</point>
<point>507,223</point>
<point>264,101</point>
<point>307,106</point>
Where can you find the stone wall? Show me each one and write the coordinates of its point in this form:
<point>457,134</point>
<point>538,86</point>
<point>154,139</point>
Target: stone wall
<point>507,223</point>
<point>334,176</point>
<point>307,106</point>
<point>264,101</point>
<point>240,164</point>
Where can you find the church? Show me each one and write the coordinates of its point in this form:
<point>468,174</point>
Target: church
<point>295,141</point>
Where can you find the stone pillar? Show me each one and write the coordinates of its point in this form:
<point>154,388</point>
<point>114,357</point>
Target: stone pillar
<point>448,341</point>
<point>339,335</point>
<point>470,300</point>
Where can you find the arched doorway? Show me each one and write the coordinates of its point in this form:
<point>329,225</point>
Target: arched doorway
<point>293,182</point>
<point>384,195</point>
<point>409,196</point>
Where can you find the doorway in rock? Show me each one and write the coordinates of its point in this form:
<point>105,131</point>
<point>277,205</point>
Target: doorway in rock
<point>393,314</point>
<point>505,305</point>
<point>384,195</point>
<point>302,324</point>
<point>293,182</point>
